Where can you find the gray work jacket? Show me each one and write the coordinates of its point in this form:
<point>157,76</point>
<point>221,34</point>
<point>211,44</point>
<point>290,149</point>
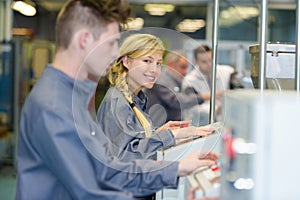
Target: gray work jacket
<point>122,127</point>
<point>63,153</point>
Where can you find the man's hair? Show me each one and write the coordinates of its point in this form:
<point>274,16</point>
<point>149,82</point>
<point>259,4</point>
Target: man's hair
<point>201,50</point>
<point>92,14</point>
<point>175,56</point>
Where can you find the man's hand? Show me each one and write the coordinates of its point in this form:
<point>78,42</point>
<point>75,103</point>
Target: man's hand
<point>195,160</point>
<point>218,95</point>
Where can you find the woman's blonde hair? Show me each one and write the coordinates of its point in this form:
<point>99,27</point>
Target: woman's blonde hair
<point>134,46</point>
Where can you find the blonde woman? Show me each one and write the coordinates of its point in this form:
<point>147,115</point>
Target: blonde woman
<point>122,112</point>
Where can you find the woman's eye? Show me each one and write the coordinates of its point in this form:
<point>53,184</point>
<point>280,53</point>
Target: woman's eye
<point>159,64</point>
<point>147,61</point>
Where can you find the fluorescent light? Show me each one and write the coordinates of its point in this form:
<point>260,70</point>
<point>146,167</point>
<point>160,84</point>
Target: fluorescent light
<point>24,8</point>
<point>238,11</point>
<point>157,12</point>
<point>52,5</point>
<point>190,25</point>
<point>134,24</point>
<point>234,15</point>
<point>159,9</point>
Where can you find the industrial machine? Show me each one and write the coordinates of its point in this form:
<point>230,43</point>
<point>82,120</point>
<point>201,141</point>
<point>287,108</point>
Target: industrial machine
<point>183,149</point>
<point>280,66</point>
<point>207,180</point>
<point>261,145</point>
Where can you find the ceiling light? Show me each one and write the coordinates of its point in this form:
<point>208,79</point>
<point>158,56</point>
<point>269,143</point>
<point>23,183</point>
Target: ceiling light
<point>159,9</point>
<point>190,25</point>
<point>235,15</point>
<point>24,8</point>
<point>238,11</point>
<point>134,24</point>
<point>52,5</point>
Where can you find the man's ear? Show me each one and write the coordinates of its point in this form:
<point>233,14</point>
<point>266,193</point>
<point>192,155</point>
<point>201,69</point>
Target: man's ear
<point>170,63</point>
<point>194,60</point>
<point>84,38</point>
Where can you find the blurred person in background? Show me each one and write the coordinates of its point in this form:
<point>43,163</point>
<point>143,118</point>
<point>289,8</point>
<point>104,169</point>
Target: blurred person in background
<point>166,99</point>
<point>198,81</point>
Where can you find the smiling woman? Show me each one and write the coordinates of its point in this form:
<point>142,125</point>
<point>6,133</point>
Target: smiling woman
<point>143,65</point>
<point>138,67</point>
<point>122,113</point>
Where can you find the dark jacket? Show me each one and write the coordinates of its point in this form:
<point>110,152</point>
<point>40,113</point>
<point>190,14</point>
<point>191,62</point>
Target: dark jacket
<point>166,93</point>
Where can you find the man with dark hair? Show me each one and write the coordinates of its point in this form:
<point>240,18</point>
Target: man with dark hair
<point>198,81</point>
<point>62,152</point>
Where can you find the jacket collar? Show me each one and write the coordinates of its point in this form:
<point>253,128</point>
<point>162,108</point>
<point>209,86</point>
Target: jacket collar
<point>140,100</point>
<point>82,90</point>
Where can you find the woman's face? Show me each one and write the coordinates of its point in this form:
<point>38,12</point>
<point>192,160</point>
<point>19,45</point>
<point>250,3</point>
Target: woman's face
<point>143,71</point>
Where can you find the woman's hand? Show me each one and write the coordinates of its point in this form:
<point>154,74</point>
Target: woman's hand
<point>191,131</point>
<point>172,125</point>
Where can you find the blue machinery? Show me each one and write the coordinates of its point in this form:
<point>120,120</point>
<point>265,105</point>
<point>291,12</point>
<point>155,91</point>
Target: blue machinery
<point>21,63</point>
<point>6,84</point>
<point>6,80</point>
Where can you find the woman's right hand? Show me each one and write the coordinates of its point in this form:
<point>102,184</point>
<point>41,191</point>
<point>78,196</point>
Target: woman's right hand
<point>191,131</point>
<point>172,125</point>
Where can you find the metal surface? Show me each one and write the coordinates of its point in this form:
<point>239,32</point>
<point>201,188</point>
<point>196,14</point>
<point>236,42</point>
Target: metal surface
<point>5,21</point>
<point>214,62</point>
<point>180,151</point>
<point>8,21</point>
<point>2,20</point>
<point>280,66</point>
<point>260,139</point>
<point>297,69</point>
<point>263,28</point>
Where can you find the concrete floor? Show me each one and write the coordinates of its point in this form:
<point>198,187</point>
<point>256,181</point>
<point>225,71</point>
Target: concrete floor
<point>7,168</point>
<point>7,182</point>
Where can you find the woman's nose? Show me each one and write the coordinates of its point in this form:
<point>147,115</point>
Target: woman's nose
<point>155,68</point>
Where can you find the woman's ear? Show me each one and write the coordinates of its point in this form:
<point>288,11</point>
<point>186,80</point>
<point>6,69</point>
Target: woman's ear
<point>125,61</point>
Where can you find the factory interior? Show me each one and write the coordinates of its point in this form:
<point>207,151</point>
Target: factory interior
<point>256,136</point>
